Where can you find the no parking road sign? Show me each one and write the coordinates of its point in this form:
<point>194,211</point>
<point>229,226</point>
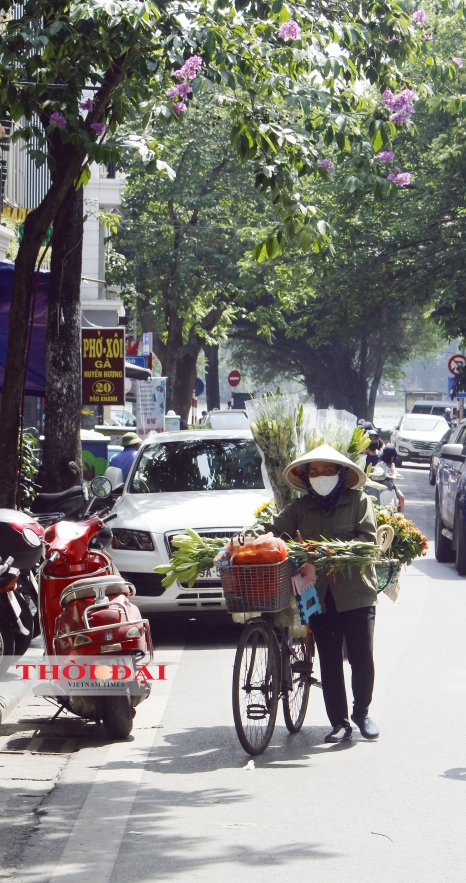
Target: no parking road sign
<point>456,363</point>
<point>234,378</point>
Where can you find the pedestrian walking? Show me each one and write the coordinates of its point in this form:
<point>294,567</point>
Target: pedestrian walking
<point>334,507</point>
<point>124,459</point>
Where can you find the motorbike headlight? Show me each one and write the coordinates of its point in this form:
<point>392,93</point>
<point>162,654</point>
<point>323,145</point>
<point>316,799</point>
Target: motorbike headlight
<point>136,540</point>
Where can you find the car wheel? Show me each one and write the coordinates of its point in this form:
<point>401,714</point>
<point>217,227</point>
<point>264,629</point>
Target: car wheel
<point>443,549</point>
<point>460,537</point>
<point>432,474</point>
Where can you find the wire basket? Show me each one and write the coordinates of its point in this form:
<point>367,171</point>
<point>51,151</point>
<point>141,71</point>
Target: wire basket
<point>256,587</point>
<point>387,572</point>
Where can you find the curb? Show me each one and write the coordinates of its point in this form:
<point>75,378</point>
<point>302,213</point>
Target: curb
<point>15,690</point>
<point>11,695</point>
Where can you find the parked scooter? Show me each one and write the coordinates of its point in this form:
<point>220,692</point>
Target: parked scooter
<point>85,610</point>
<point>13,633</point>
<point>21,537</point>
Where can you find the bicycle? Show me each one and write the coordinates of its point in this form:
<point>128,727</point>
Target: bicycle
<point>270,665</point>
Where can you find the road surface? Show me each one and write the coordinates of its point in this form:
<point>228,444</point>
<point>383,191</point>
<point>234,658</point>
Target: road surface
<point>181,801</point>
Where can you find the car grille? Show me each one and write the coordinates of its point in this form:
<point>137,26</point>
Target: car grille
<point>146,584</point>
<point>424,446</point>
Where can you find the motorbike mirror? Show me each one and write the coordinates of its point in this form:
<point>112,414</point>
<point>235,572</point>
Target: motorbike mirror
<point>101,487</point>
<point>31,538</point>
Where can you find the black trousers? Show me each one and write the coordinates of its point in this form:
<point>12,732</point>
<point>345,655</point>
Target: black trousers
<point>329,628</point>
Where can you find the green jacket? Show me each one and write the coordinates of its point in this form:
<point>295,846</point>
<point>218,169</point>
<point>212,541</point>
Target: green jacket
<point>352,517</point>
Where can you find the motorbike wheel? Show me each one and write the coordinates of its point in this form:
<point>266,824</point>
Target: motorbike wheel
<point>22,641</point>
<point>7,647</point>
<point>117,716</point>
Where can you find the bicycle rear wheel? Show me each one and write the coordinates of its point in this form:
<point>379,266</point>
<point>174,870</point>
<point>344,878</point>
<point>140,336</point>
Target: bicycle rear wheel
<point>255,687</point>
<point>297,662</point>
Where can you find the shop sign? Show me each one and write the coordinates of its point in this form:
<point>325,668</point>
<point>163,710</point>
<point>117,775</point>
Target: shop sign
<point>103,366</point>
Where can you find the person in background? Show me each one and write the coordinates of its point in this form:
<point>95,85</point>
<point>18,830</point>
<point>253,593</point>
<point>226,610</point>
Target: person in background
<point>374,450</point>
<point>124,459</point>
<point>447,414</point>
<point>387,464</point>
<point>203,417</point>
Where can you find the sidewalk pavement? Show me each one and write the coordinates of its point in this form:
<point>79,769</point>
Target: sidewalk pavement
<point>13,689</point>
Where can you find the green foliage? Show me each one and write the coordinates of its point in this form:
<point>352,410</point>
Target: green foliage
<point>289,103</point>
<point>30,466</point>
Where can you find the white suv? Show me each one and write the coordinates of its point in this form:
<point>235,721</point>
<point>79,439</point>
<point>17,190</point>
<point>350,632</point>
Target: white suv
<point>209,480</point>
<point>417,435</point>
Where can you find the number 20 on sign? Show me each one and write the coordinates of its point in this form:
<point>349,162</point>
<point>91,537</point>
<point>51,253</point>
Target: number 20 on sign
<point>103,366</point>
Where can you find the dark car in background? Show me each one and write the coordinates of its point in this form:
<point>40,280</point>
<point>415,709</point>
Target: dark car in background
<point>450,500</point>
<point>435,458</point>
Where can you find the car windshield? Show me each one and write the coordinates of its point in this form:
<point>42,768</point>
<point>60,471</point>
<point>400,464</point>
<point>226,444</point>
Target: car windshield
<point>421,424</point>
<point>200,465</point>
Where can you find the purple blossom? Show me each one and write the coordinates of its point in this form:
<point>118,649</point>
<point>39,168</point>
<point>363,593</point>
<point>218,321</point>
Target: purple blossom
<point>458,61</point>
<point>385,156</point>
<point>173,92</point>
<point>183,89</point>
<point>428,37</point>
<point>418,17</point>
<point>100,128</point>
<point>402,179</point>
<point>394,39</point>
<point>87,105</point>
<point>179,107</point>
<point>57,119</point>
<point>326,165</point>
<point>190,68</point>
<point>401,104</point>
<point>289,30</point>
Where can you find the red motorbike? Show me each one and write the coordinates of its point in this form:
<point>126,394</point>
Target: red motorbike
<point>85,610</point>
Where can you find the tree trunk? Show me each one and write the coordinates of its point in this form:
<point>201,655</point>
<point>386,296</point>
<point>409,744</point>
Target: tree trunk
<point>211,376</point>
<point>185,380</point>
<point>62,465</point>
<point>37,222</point>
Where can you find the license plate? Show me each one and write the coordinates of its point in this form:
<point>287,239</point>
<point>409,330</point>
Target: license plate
<point>209,575</point>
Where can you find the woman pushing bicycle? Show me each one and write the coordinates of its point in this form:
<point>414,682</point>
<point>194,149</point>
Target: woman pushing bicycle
<point>334,507</point>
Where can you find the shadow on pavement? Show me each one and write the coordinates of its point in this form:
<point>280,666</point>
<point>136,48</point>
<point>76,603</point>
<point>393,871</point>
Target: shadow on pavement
<point>458,773</point>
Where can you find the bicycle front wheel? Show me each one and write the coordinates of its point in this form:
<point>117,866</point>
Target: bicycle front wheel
<point>297,662</point>
<point>255,687</point>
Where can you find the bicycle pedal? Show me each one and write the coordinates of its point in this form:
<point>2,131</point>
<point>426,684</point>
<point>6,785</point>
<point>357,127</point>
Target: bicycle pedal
<point>256,712</point>
<point>301,667</point>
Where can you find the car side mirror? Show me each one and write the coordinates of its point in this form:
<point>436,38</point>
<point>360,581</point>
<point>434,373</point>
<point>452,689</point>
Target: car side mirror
<point>452,452</point>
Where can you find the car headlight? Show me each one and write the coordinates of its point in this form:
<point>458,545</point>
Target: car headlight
<point>137,540</point>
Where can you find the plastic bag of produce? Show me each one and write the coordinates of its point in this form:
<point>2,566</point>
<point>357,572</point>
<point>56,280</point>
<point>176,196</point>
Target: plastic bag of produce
<point>265,549</point>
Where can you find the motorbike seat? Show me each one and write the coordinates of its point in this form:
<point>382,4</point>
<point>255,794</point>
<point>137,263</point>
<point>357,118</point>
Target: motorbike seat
<point>46,499</point>
<point>83,588</point>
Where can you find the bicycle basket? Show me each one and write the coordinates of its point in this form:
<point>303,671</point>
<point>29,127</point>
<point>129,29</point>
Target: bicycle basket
<point>256,587</point>
<point>387,572</point>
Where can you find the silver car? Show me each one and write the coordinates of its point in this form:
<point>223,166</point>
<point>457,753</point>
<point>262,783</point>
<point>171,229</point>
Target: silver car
<point>417,435</point>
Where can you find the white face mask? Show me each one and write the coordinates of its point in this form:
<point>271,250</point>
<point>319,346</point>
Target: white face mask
<point>324,484</point>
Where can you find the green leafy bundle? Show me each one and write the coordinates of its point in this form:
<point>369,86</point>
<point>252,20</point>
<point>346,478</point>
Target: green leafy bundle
<point>334,555</point>
<point>273,420</point>
<point>194,555</point>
